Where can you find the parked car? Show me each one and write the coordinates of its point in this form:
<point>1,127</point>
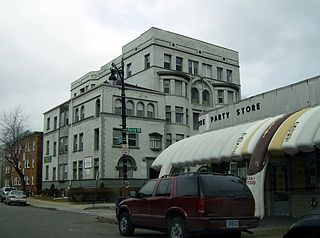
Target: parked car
<point>16,196</point>
<point>307,227</point>
<point>186,204</point>
<point>5,191</point>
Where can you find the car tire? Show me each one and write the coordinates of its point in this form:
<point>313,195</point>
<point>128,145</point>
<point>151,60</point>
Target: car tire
<point>236,234</point>
<point>177,228</point>
<point>125,226</point>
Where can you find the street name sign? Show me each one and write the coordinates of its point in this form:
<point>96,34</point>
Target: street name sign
<point>133,130</point>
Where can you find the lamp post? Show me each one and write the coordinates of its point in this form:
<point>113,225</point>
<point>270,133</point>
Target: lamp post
<point>120,72</point>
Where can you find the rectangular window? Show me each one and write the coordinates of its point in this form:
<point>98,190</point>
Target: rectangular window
<point>47,172</point>
<point>129,72</point>
<point>55,122</point>
<point>133,140</point>
<point>166,86</point>
<point>27,180</point>
<point>167,61</point>
<point>219,73</point>
<point>179,115</point>
<point>48,148</point>
<point>66,119</point>
<point>54,173</point>
<point>156,142</point>
<point>179,61</point>
<point>80,169</point>
<point>96,139</point>
<point>62,116</point>
<point>54,148</point>
<point>33,146</point>
<point>168,114</point>
<point>33,162</point>
<point>48,123</point>
<point>74,170</point>
<point>179,137</point>
<point>230,97</point>
<point>193,67</point>
<point>220,97</point>
<point>187,116</point>
<point>229,75</point>
<point>178,87</point>
<point>168,139</point>
<point>207,70</point>
<point>117,136</point>
<point>96,168</point>
<point>196,121</point>
<point>147,61</point>
<point>80,141</point>
<point>63,145</point>
<point>75,143</point>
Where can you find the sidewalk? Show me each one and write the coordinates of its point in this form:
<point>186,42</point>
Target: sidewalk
<point>105,212</point>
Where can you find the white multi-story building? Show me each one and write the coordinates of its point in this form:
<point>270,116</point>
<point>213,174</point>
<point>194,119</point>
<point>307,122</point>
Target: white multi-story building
<point>170,80</point>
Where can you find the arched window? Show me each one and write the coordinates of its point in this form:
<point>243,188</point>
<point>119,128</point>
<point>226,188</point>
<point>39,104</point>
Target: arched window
<point>118,106</point>
<point>206,97</point>
<point>98,107</point>
<point>150,111</point>
<point>131,166</point>
<point>140,109</point>
<point>129,108</point>
<point>194,96</point>
<point>76,115</point>
<point>82,112</point>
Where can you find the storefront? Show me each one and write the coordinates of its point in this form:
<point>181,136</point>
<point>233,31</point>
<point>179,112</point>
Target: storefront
<point>271,140</point>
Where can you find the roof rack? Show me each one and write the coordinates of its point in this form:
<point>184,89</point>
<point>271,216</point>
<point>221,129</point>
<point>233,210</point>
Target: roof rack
<point>192,173</point>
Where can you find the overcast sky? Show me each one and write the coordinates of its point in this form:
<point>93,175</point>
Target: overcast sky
<point>45,45</point>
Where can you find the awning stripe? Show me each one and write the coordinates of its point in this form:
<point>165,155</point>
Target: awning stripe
<point>226,152</point>
<point>275,146</point>
<point>302,133</point>
<point>248,148</point>
<point>236,152</point>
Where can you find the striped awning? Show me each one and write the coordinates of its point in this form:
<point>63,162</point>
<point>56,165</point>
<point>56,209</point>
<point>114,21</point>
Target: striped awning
<point>297,131</point>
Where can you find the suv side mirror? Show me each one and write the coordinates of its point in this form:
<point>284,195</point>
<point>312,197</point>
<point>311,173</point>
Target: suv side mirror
<point>132,194</point>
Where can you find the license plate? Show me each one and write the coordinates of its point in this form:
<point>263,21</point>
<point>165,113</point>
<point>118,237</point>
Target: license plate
<point>232,224</point>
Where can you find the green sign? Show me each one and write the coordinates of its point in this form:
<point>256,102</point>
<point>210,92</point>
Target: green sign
<point>119,140</point>
<point>133,130</point>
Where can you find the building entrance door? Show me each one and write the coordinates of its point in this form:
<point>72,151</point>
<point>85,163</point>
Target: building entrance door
<point>280,189</point>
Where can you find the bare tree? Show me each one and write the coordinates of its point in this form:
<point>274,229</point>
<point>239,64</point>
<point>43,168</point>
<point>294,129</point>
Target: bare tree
<point>12,131</point>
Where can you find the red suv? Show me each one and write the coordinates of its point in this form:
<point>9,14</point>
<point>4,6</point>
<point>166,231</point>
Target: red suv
<point>184,204</point>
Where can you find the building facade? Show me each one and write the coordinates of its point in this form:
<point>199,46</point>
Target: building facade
<point>170,80</point>
<point>30,162</point>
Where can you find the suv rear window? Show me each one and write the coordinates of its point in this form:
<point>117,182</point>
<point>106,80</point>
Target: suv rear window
<point>224,186</point>
<point>187,186</point>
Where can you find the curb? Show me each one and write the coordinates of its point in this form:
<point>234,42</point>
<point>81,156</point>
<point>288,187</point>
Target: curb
<point>109,220</point>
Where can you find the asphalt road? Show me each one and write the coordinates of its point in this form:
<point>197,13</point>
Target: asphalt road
<point>31,222</point>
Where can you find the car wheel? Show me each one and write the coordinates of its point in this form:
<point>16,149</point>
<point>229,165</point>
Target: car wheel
<point>177,228</point>
<point>125,226</point>
<point>236,234</point>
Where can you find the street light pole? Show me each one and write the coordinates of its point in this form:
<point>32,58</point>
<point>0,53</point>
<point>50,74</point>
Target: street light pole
<point>120,72</point>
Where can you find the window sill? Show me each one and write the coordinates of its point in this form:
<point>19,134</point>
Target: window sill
<point>130,147</point>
